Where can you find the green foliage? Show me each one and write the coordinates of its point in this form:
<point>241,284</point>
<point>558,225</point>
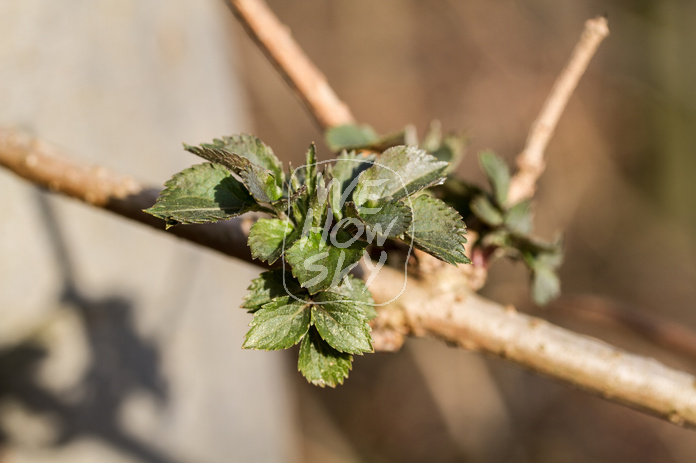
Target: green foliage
<point>504,229</point>
<point>363,137</point>
<point>318,264</point>
<point>321,364</point>
<point>200,194</point>
<point>325,217</point>
<point>438,229</point>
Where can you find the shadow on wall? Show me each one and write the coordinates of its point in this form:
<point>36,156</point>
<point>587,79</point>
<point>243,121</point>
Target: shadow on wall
<point>121,363</point>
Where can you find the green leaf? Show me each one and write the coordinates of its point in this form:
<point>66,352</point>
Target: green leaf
<point>354,290</point>
<point>320,363</point>
<point>388,220</point>
<point>518,218</point>
<point>319,265</point>
<point>278,325</point>
<point>433,137</point>
<point>546,285</point>
<point>271,285</point>
<point>310,169</point>
<point>498,174</point>
<point>451,150</point>
<point>363,137</point>
<point>397,173</point>
<point>486,211</point>
<point>438,230</point>
<point>264,185</point>
<point>319,202</point>
<point>344,174</point>
<point>269,237</point>
<point>250,147</point>
<point>349,136</point>
<point>340,323</point>
<point>543,259</point>
<point>202,193</point>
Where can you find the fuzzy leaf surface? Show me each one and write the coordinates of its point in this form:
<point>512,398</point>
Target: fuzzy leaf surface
<point>202,193</point>
<point>262,183</point>
<point>279,324</point>
<point>439,230</point>
<point>271,285</point>
<point>256,151</point>
<point>319,265</point>
<point>388,220</point>
<point>354,289</point>
<point>344,175</point>
<point>342,324</point>
<point>320,363</point>
<point>397,173</point>
<point>268,238</point>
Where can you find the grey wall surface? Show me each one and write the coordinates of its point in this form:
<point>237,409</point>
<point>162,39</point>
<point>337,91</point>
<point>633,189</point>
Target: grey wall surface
<point>119,344</point>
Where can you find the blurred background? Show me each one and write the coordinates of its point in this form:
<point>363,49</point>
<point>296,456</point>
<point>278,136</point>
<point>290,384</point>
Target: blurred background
<point>118,344</point>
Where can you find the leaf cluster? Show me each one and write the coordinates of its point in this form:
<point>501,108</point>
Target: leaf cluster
<point>322,218</point>
<point>502,229</point>
<point>505,229</point>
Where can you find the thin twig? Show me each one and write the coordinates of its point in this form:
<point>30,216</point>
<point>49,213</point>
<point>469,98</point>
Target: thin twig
<point>431,308</point>
<point>274,38</point>
<point>46,166</point>
<point>530,161</point>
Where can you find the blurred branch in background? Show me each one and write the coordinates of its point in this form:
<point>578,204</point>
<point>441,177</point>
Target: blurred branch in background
<point>292,63</point>
<point>531,160</point>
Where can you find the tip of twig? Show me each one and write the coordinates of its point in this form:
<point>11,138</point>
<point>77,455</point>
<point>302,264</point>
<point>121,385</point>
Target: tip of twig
<point>598,25</point>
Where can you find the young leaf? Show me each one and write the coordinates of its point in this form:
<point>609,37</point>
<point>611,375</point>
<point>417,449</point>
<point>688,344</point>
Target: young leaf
<point>388,220</point>
<point>250,147</point>
<point>202,193</point>
<point>518,219</point>
<point>319,202</point>
<point>451,151</point>
<point>354,290</point>
<point>546,285</point>
<point>320,363</point>
<point>349,136</point>
<point>262,183</point>
<point>498,174</point>
<point>487,212</point>
<point>433,137</point>
<point>438,229</point>
<point>310,170</point>
<point>543,261</point>
<point>279,324</point>
<point>319,265</point>
<point>341,324</point>
<point>344,174</point>
<point>268,238</point>
<point>271,285</point>
<point>397,173</point>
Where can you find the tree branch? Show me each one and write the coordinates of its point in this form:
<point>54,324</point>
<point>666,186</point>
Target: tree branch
<point>433,308</point>
<point>291,62</point>
<point>530,161</point>
<point>663,333</point>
